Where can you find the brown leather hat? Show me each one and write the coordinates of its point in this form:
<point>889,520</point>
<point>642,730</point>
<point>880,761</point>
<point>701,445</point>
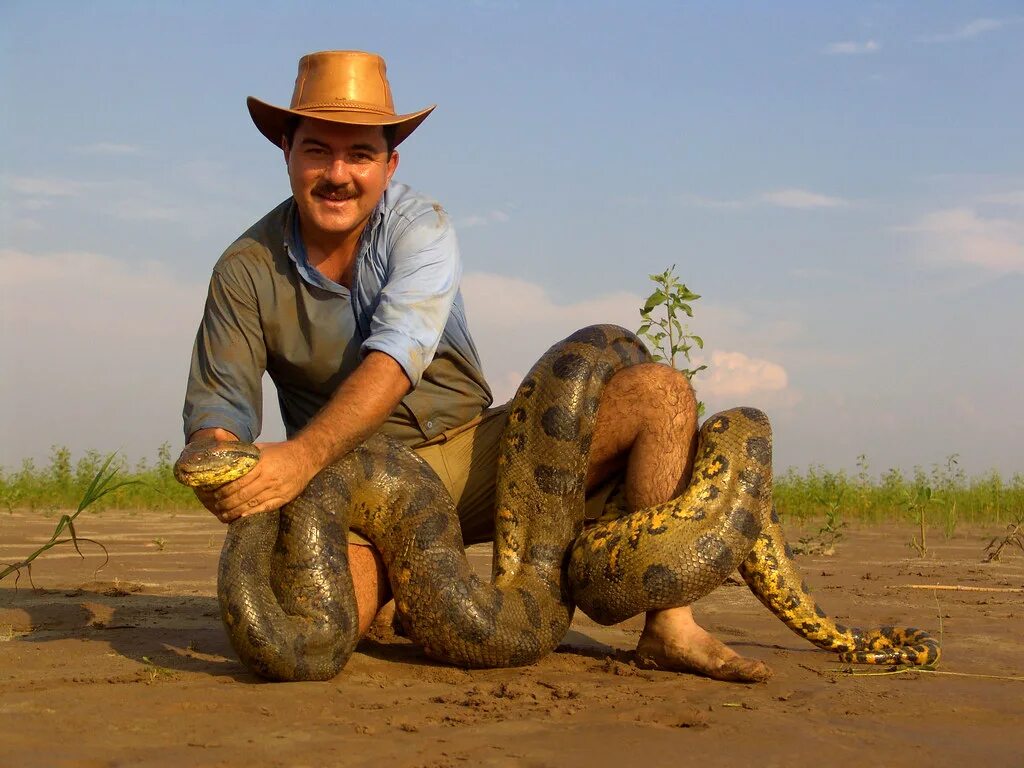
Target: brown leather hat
<point>341,87</point>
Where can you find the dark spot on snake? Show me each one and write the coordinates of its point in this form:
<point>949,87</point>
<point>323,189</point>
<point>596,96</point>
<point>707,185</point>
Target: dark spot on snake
<point>774,517</point>
<point>445,564</point>
<point>715,552</point>
<point>789,551</point>
<point>590,405</point>
<point>652,530</point>
<point>746,522</point>
<point>557,481</point>
<point>626,351</point>
<point>584,444</point>
<point>819,612</point>
<point>696,513</point>
<point>367,464</point>
<point>804,588</point>
<point>755,415</point>
<point>531,608</point>
<point>719,424</point>
<point>518,415</point>
<point>256,640</point>
<point>527,388</point>
<point>517,442</point>
<point>544,554</point>
<point>471,620</point>
<point>604,372</point>
<point>560,423</point>
<point>569,366</point>
<point>760,450</point>
<point>751,482</point>
<point>392,463</point>
<point>591,335</point>
<point>422,497</point>
<point>719,465</point>
<point>428,531</point>
<point>660,582</point>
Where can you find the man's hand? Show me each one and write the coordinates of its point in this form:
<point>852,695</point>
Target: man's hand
<point>282,473</point>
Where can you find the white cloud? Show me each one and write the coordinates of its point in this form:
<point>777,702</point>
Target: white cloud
<point>127,199</point>
<point>699,201</point>
<point>802,199</point>
<point>970,30</point>
<point>961,235</point>
<point>853,47</point>
<point>789,197</point>
<point>480,220</point>
<point>137,209</point>
<point>734,374</point>
<point>44,186</point>
<point>109,148</point>
<point>1013,198</point>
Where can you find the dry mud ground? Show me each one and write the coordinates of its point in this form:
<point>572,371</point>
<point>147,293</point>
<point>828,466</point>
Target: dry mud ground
<point>129,665</point>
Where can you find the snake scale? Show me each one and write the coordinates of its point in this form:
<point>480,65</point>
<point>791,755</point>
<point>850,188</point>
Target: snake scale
<point>286,594</point>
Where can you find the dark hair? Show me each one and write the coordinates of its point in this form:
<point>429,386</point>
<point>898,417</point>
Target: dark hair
<point>291,124</point>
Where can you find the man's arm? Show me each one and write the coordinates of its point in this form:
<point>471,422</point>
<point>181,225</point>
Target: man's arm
<point>357,409</point>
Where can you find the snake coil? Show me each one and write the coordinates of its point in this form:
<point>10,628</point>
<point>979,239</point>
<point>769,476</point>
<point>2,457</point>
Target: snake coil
<point>286,593</point>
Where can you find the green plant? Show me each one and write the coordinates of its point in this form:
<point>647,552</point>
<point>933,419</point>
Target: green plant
<point>831,531</point>
<point>916,500</point>
<point>101,484</point>
<point>669,337</point>
<point>61,484</point>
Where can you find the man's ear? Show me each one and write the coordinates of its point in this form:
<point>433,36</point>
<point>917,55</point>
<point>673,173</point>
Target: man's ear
<point>392,164</point>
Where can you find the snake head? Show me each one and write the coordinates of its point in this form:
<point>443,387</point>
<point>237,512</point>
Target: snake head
<point>210,464</point>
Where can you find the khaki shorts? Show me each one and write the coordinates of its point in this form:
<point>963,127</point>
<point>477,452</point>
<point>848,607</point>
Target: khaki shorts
<point>466,460</point>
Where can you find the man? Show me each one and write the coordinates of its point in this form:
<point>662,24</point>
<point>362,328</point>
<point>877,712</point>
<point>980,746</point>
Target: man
<point>348,295</point>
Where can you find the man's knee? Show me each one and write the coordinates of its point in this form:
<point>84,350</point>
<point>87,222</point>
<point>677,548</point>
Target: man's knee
<point>658,390</point>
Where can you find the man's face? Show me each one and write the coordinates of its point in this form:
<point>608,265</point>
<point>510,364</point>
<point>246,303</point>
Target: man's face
<point>338,174</point>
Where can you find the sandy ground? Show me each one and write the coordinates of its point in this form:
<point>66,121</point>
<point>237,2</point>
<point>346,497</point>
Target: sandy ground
<point>130,665</point>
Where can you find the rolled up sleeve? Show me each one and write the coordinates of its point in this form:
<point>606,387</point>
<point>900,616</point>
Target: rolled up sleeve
<point>228,360</point>
<point>424,269</point>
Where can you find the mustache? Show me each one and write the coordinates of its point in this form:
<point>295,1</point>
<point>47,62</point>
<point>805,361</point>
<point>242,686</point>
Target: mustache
<point>341,191</point>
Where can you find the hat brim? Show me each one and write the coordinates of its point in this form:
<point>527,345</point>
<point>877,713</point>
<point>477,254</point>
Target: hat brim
<point>270,120</point>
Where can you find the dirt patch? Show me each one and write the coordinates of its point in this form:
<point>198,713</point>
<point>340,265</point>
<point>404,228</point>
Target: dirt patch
<point>130,665</point>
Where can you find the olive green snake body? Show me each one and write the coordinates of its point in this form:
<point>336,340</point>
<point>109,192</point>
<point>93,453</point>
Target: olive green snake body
<point>286,593</point>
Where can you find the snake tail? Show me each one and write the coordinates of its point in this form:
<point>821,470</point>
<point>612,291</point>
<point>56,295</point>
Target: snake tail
<point>775,579</point>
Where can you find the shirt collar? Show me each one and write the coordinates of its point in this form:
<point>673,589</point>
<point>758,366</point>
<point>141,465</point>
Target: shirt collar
<point>296,249</point>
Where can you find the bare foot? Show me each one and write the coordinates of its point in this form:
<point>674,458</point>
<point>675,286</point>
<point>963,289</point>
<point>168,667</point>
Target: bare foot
<point>672,640</point>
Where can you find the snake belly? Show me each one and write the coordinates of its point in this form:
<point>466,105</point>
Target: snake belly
<point>285,589</point>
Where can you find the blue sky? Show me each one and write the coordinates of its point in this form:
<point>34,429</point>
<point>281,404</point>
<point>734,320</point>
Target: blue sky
<point>843,184</point>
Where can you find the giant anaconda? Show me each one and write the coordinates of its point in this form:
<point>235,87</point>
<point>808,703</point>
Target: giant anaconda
<point>286,594</point>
